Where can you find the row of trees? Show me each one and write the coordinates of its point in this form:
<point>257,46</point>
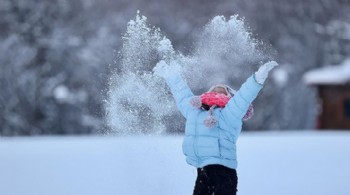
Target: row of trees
<point>56,56</point>
<point>53,65</point>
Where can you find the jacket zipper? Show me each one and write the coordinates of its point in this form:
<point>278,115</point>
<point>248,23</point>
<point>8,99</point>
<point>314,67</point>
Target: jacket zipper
<point>195,140</point>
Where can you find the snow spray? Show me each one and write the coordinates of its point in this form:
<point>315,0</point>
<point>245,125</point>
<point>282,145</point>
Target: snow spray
<point>139,102</point>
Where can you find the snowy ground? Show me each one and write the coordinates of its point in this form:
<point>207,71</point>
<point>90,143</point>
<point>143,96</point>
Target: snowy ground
<point>272,163</point>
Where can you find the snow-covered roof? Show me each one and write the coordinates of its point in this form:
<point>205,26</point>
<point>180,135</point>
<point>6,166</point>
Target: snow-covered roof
<point>330,75</point>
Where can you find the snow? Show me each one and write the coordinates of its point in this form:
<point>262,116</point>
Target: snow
<point>271,163</point>
<point>221,50</point>
<point>332,75</point>
<point>280,76</point>
<point>63,95</point>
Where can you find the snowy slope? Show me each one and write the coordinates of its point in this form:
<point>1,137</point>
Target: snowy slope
<point>270,163</point>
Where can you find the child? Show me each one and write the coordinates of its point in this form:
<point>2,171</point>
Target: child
<point>213,124</point>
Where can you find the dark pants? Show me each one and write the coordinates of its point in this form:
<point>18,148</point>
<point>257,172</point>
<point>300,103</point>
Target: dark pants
<point>217,180</point>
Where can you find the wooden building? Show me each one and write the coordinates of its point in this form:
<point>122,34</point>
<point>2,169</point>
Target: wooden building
<point>333,85</point>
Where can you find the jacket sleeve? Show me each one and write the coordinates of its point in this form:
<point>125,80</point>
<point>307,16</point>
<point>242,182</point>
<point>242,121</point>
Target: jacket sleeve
<point>181,93</point>
<point>238,105</point>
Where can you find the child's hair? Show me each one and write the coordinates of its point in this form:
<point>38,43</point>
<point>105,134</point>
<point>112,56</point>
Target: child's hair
<point>205,107</point>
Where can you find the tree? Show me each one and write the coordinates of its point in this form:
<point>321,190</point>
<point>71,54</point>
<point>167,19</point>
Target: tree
<point>53,70</point>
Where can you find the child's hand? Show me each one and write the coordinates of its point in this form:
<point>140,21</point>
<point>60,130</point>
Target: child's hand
<point>165,70</point>
<point>263,72</point>
<point>162,69</point>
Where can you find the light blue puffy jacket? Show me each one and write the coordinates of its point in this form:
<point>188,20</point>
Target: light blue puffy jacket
<point>217,145</point>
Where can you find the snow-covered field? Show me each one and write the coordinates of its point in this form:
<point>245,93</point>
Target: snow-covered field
<point>270,163</point>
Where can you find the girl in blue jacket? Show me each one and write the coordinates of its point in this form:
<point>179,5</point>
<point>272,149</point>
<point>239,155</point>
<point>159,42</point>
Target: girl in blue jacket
<point>213,124</point>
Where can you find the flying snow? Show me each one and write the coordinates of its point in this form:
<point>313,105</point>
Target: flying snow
<point>140,102</point>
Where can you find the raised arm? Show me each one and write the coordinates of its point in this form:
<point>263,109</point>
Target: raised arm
<point>239,103</point>
<point>178,87</point>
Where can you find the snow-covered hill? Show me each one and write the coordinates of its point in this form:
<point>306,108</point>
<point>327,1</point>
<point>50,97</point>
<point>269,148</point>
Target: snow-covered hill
<point>270,163</point>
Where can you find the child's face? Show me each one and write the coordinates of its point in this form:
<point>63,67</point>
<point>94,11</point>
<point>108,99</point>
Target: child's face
<point>219,90</point>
